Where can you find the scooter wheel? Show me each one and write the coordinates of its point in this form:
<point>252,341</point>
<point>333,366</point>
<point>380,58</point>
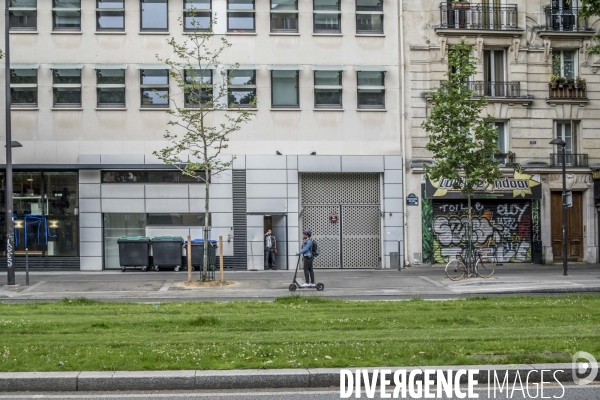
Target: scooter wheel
<point>320,287</point>
<point>122,269</point>
<point>156,268</point>
<point>292,288</point>
<point>144,268</point>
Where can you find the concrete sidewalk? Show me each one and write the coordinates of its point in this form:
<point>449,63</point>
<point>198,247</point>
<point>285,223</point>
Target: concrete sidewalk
<point>426,282</point>
<point>92,381</point>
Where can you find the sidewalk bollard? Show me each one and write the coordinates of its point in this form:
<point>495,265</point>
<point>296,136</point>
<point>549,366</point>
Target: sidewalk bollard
<point>26,266</point>
<point>189,257</point>
<point>221,257</point>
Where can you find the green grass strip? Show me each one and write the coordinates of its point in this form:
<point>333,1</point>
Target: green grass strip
<point>295,332</point>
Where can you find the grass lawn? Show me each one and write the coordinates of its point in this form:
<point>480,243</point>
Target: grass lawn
<point>295,332</point>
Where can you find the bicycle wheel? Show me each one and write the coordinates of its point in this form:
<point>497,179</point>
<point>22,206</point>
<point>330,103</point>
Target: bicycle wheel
<point>456,270</point>
<point>485,268</point>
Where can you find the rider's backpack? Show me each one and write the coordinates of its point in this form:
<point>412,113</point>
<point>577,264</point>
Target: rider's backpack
<point>315,249</point>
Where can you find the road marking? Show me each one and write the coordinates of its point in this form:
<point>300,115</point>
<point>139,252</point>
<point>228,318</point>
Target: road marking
<point>166,286</point>
<point>30,288</point>
<point>436,283</point>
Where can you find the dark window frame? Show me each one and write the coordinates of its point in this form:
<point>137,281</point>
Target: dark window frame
<point>197,11</point>
<point>188,104</point>
<point>297,91</point>
<point>24,85</point>
<point>100,86</point>
<point>142,29</point>
<point>339,17</point>
<point>11,11</point>
<point>241,10</point>
<point>379,12</point>
<point>249,87</point>
<point>54,15</point>
<point>296,12</point>
<point>99,10</point>
<point>144,177</point>
<point>341,90</point>
<point>61,85</point>
<point>151,87</point>
<point>358,89</point>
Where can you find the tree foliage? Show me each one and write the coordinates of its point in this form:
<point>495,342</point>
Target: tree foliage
<point>591,8</point>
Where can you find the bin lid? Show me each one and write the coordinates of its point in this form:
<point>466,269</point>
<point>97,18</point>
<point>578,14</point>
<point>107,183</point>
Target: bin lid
<point>212,241</point>
<point>167,239</point>
<point>133,239</point>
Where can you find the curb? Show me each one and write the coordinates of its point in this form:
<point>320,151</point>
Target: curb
<point>107,381</point>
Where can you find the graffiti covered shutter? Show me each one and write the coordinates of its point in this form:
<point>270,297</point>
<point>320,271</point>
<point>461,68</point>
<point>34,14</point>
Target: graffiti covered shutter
<point>504,227</point>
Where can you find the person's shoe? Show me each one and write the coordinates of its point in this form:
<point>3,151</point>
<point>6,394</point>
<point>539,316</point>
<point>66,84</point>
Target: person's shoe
<point>305,285</point>
<point>312,285</point>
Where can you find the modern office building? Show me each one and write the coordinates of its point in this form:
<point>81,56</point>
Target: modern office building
<point>322,151</point>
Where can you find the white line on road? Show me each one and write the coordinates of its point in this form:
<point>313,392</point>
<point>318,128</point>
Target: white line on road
<point>166,286</point>
<point>436,283</point>
<point>30,288</point>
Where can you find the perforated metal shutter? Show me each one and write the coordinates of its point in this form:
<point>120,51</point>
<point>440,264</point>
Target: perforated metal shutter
<point>504,227</point>
<point>240,259</point>
<point>355,240</point>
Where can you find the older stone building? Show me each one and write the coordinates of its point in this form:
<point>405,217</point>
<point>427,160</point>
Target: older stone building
<point>518,46</point>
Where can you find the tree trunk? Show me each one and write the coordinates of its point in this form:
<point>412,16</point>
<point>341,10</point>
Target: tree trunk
<point>205,236</point>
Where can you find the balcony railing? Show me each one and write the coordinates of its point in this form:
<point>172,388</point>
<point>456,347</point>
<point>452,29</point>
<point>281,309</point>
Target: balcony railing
<point>478,16</point>
<point>496,89</point>
<point>565,20</point>
<point>572,160</point>
<point>566,92</point>
<point>505,159</point>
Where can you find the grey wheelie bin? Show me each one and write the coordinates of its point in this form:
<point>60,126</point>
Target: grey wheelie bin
<point>198,255</point>
<point>134,251</point>
<point>166,252</point>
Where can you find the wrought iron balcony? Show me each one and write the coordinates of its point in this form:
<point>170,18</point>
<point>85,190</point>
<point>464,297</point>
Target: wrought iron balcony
<point>572,160</point>
<point>496,89</point>
<point>478,16</point>
<point>505,159</point>
<point>565,20</point>
<point>566,92</point>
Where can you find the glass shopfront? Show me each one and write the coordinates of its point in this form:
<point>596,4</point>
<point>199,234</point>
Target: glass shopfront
<point>46,213</point>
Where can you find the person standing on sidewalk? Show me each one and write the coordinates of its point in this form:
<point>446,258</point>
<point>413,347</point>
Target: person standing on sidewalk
<point>306,251</point>
<point>270,249</point>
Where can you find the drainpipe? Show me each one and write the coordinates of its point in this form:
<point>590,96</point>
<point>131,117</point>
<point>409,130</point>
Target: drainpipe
<point>403,131</point>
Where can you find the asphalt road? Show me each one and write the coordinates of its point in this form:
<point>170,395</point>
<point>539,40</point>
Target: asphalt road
<point>591,392</point>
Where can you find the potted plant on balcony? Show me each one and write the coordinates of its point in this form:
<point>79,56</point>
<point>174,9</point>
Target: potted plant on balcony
<point>554,80</point>
<point>561,81</point>
<point>580,83</point>
<point>570,82</point>
<point>461,4</point>
<point>510,158</point>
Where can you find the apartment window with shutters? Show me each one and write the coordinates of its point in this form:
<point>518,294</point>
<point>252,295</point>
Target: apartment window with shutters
<point>284,16</point>
<point>242,88</point>
<point>371,89</point>
<point>23,87</point>
<point>154,87</point>
<point>197,15</point>
<point>22,15</point>
<point>110,86</point>
<point>66,15</point>
<point>240,16</point>
<point>284,89</point>
<point>154,15</point>
<point>199,88</point>
<point>567,131</point>
<point>564,63</point>
<point>328,89</point>
<point>327,16</point>
<point>369,16</point>
<point>110,15</point>
<point>66,87</point>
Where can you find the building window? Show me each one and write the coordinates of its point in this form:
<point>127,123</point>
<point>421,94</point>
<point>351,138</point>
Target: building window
<point>154,15</point>
<point>199,88</point>
<point>284,89</point>
<point>110,15</point>
<point>110,87</point>
<point>66,86</point>
<point>327,16</point>
<point>154,88</point>
<point>241,88</point>
<point>371,89</point>
<point>197,15</point>
<point>564,63</point>
<point>23,88</point>
<point>284,16</point>
<point>66,15</point>
<point>565,131</point>
<point>240,16</point>
<point>162,176</point>
<point>328,89</point>
<point>23,15</point>
<point>369,16</point>
<point>502,136</point>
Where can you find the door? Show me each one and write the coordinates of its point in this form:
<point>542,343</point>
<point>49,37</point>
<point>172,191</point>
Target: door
<point>494,73</point>
<point>563,15</point>
<point>574,227</point>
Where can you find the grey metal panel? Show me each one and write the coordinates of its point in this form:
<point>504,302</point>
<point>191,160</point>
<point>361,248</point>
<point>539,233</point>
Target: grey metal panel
<point>319,164</point>
<point>223,177</point>
<point>89,205</point>
<point>265,162</point>
<point>152,159</point>
<point>292,176</point>
<point>326,234</point>
<point>122,191</point>
<point>392,190</point>
<point>393,162</point>
<point>89,191</point>
<point>391,246</point>
<point>267,205</point>
<point>90,263</point>
<point>167,191</point>
<point>240,259</point>
<point>393,233</point>
<point>265,190</point>
<point>362,163</point>
<point>198,206</point>
<point>90,234</point>
<point>355,188</point>
<point>167,206</point>
<point>217,191</point>
<point>292,191</point>
<point>292,205</point>
<point>392,205</point>
<point>266,176</point>
<point>255,220</point>
<point>293,219</point>
<point>89,159</point>
<point>122,159</point>
<point>89,176</point>
<point>123,205</point>
<point>392,220</point>
<point>392,176</point>
<point>361,236</point>
<point>292,162</point>
<point>90,249</point>
<point>220,206</point>
<point>239,162</point>
<point>90,220</point>
<point>222,219</point>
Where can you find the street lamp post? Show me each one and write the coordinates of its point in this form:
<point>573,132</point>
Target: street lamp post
<point>562,144</point>
<point>10,239</point>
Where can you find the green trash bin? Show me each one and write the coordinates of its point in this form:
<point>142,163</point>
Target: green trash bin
<point>134,251</point>
<point>198,256</point>
<point>166,252</point>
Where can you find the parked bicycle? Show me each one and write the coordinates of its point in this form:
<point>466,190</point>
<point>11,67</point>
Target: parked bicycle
<point>481,265</point>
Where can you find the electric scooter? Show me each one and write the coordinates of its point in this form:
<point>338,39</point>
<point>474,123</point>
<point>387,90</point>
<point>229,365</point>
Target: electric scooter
<point>295,285</point>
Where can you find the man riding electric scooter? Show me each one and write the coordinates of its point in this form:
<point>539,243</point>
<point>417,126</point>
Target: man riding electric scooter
<point>306,251</point>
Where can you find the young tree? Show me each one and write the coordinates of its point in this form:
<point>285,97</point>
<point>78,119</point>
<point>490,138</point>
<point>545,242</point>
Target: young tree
<point>462,142</point>
<point>197,142</point>
<point>591,8</point>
